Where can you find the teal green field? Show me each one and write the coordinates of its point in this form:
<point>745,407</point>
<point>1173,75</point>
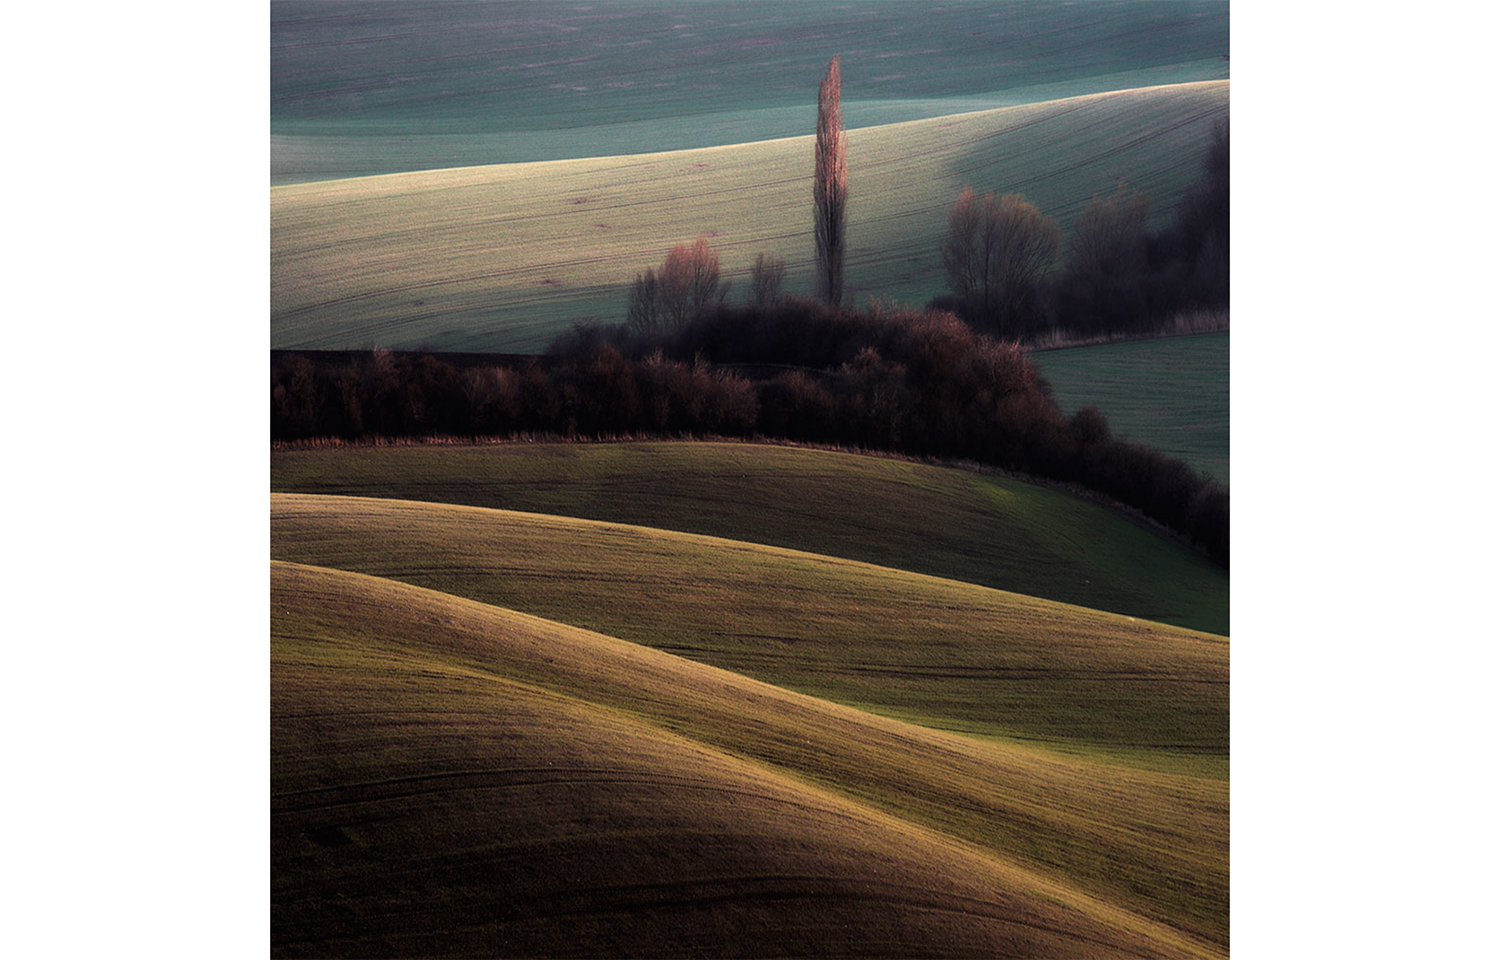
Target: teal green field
<point>367,88</point>
<point>1170,394</point>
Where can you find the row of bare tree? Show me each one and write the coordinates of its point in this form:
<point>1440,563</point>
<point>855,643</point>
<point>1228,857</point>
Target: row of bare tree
<point>917,382</point>
<point>1000,253</point>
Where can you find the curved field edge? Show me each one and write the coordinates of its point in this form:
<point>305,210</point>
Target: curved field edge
<point>940,652</point>
<point>503,258</point>
<point>298,156</point>
<point>399,712</point>
<point>949,522</point>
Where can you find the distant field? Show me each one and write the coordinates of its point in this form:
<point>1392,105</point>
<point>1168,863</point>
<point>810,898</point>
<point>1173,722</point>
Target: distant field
<point>1169,394</point>
<point>363,88</point>
<point>503,258</point>
<point>951,523</point>
<point>566,771</point>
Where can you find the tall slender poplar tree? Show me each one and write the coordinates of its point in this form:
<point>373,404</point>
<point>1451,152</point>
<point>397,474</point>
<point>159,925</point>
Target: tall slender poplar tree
<point>830,187</point>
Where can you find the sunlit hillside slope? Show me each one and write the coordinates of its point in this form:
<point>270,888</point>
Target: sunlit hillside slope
<point>948,654</point>
<point>502,258</point>
<point>949,522</point>
<point>454,778</point>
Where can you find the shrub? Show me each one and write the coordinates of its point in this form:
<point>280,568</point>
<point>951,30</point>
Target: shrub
<point>734,406</point>
<point>352,391</point>
<point>541,400</point>
<point>1089,426</point>
<point>603,399</point>
<point>877,400</point>
<point>660,382</point>
<point>295,403</point>
<point>492,398</point>
<point>797,407</point>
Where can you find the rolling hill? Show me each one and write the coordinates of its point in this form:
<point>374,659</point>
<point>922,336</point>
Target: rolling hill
<point>722,699</point>
<point>951,523</point>
<point>450,777</point>
<point>939,652</point>
<point>503,258</point>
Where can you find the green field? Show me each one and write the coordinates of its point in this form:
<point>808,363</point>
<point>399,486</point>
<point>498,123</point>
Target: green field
<point>1170,394</point>
<point>502,258</point>
<point>950,523</point>
<point>360,88</point>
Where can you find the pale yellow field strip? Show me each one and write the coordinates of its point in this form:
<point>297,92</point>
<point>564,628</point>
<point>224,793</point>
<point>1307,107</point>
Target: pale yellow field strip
<point>504,257</point>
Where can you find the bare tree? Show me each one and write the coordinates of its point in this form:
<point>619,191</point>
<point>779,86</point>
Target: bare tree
<point>1203,223</point>
<point>645,314</point>
<point>1106,288</point>
<point>689,281</point>
<point>830,187</point>
<point>965,251</point>
<point>996,253</point>
<point>766,276</point>
<point>685,286</point>
<point>1109,237</point>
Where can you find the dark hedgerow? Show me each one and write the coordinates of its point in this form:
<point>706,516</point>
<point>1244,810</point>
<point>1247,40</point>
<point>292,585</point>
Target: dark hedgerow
<point>917,382</point>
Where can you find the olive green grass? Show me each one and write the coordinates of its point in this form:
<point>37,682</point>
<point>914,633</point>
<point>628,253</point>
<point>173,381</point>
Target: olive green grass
<point>954,523</point>
<point>453,778</point>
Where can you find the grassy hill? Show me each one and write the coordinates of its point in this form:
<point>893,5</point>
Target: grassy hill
<point>361,88</point>
<point>948,522</point>
<point>939,652</point>
<point>1170,394</point>
<point>503,258</point>
<point>451,777</point>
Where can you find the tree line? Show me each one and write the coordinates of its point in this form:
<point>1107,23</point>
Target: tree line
<point>916,382</point>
